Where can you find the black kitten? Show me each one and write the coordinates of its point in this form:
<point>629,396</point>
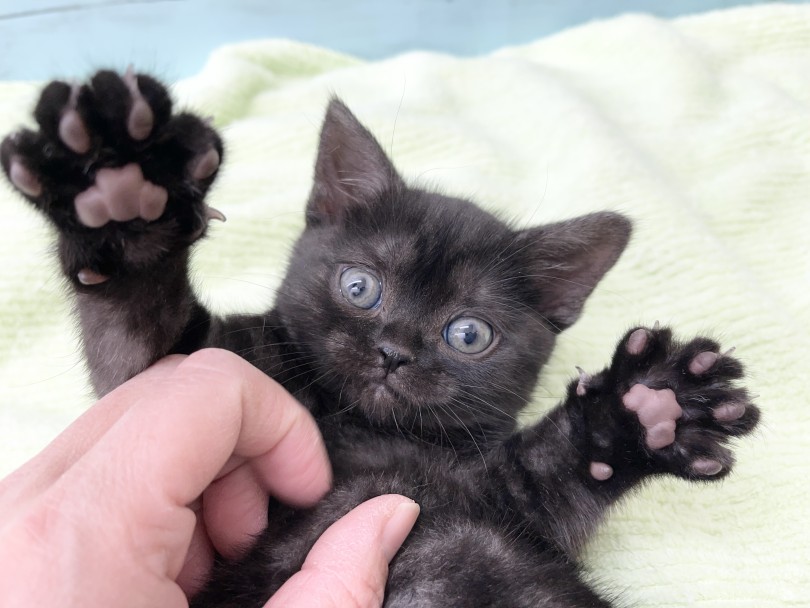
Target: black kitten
<point>413,325</point>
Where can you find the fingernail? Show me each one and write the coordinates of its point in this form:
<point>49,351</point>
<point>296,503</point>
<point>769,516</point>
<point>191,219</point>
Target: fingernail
<point>398,527</point>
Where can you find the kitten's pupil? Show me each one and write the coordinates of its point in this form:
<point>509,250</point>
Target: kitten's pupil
<point>470,334</point>
<point>357,287</point>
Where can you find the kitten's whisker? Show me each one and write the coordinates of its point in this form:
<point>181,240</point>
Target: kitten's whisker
<point>483,410</point>
<point>312,370</point>
<point>483,401</point>
<point>528,222</point>
<point>512,305</point>
<point>493,384</point>
<point>396,423</point>
<point>342,386</point>
<point>343,410</point>
<point>396,116</point>
<point>443,430</point>
<point>315,380</point>
<point>450,411</point>
<point>497,260</point>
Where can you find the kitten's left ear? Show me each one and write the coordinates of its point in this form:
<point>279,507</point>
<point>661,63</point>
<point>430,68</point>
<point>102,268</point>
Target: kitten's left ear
<point>351,168</point>
<point>570,258</point>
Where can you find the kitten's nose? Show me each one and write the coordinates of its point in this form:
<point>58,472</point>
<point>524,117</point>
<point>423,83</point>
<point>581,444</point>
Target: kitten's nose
<point>394,357</point>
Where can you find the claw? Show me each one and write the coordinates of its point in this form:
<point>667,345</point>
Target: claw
<point>729,352</point>
<point>584,380</point>
<point>214,214</point>
<point>656,326</point>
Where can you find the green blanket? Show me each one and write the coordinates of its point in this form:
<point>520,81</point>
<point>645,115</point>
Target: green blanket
<point>697,128</point>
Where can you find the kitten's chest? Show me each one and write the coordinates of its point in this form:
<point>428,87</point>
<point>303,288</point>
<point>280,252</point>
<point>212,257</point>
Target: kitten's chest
<point>358,451</point>
<point>361,452</point>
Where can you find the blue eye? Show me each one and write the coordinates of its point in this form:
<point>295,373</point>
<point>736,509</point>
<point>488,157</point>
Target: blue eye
<point>360,287</point>
<point>468,335</point>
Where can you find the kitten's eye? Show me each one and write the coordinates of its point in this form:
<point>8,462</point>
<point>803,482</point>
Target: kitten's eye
<point>468,335</point>
<point>360,287</point>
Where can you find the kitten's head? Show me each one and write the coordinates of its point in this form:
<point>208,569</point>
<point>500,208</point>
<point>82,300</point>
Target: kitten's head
<point>421,310</point>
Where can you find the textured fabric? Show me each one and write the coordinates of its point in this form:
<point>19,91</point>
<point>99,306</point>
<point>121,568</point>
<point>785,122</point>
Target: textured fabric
<point>697,128</point>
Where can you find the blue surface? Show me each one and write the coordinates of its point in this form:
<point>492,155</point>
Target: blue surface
<point>43,38</point>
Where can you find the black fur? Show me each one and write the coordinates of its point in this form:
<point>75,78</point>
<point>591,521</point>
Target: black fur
<point>504,511</point>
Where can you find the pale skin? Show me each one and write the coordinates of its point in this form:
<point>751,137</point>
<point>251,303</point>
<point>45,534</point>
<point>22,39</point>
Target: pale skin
<point>127,506</point>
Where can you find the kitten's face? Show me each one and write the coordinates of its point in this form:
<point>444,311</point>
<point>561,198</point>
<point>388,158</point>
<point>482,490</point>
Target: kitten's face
<point>422,311</point>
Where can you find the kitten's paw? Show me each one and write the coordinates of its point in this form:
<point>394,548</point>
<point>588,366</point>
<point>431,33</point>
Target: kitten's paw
<point>679,399</point>
<point>121,177</point>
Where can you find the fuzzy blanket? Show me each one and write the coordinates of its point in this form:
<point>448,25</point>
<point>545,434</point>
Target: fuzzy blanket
<point>697,128</point>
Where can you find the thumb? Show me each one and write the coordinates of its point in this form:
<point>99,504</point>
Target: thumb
<point>348,565</point>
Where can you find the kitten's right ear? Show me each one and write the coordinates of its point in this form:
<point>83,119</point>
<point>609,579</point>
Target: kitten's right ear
<point>352,169</point>
<point>569,258</point>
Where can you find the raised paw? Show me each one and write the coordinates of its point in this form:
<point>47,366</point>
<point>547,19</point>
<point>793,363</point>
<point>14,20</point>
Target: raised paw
<point>121,177</point>
<point>666,406</point>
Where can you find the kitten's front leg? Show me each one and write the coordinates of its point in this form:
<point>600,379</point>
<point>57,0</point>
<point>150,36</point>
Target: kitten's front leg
<point>661,407</point>
<point>123,180</point>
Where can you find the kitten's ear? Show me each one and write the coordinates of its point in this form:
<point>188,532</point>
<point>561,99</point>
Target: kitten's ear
<point>570,258</point>
<point>351,168</point>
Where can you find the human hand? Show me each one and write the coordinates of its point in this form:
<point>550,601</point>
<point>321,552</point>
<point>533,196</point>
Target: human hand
<point>111,512</point>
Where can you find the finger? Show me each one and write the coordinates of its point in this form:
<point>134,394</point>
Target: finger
<point>46,467</point>
<point>235,510</point>
<point>164,452</point>
<point>199,560</point>
<point>348,565</point>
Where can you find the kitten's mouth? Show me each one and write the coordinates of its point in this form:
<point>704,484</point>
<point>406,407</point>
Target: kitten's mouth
<point>390,397</point>
<point>381,398</point>
<point>384,390</point>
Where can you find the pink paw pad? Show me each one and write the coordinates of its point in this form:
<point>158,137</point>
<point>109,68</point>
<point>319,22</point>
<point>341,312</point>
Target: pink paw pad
<point>205,165</point>
<point>657,411</point>
<point>729,411</point>
<point>706,466</point>
<point>121,194</point>
<point>72,130</point>
<point>601,471</point>
<point>141,119</point>
<point>90,277</point>
<point>703,362</point>
<point>637,341</point>
<point>23,179</point>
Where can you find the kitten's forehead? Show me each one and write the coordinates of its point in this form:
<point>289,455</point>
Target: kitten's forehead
<point>431,246</point>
